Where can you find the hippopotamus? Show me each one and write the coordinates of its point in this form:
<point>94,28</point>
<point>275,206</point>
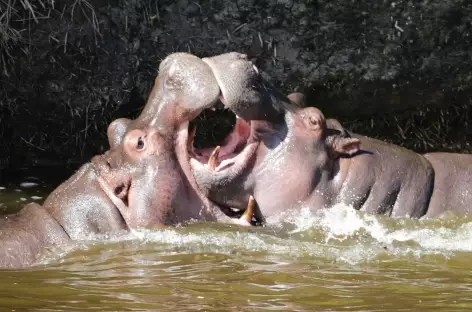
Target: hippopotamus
<point>286,156</point>
<point>138,183</point>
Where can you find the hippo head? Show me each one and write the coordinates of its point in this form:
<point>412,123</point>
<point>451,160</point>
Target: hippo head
<point>139,177</point>
<point>264,155</point>
<point>142,166</point>
<point>184,87</point>
<point>256,104</point>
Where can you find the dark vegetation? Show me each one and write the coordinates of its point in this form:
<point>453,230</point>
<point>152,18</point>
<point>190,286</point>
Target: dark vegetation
<point>395,70</point>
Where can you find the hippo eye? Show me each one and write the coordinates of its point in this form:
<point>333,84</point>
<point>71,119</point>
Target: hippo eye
<point>140,143</point>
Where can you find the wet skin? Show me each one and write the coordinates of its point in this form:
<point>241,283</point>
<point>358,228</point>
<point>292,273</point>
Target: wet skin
<point>95,199</point>
<point>291,157</point>
<point>453,183</point>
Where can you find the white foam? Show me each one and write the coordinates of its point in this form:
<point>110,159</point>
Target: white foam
<point>342,222</point>
<point>337,234</point>
<point>441,239</point>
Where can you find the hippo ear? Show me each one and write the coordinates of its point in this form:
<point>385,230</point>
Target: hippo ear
<point>116,131</point>
<point>334,127</point>
<point>342,146</point>
<point>297,98</point>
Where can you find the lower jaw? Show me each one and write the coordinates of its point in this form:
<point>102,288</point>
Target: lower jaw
<point>213,184</point>
<point>229,168</point>
<point>245,211</point>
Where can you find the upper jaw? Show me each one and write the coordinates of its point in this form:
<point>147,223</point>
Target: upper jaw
<point>239,82</point>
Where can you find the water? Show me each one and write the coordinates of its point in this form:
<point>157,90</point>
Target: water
<point>331,260</point>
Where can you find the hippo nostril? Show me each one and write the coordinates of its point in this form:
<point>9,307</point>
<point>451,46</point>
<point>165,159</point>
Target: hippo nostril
<point>140,144</point>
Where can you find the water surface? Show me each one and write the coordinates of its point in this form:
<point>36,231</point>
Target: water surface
<point>336,259</point>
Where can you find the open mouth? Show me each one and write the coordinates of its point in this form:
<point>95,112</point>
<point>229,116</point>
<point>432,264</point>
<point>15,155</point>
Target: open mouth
<point>236,147</point>
<point>223,160</point>
<point>217,157</point>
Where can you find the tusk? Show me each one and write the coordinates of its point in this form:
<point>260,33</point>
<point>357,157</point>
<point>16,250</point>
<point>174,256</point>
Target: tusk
<point>213,159</point>
<point>249,212</point>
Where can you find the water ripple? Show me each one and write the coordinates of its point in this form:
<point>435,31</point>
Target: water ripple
<point>335,259</point>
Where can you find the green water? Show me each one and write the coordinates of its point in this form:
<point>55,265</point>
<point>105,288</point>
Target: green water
<point>331,260</point>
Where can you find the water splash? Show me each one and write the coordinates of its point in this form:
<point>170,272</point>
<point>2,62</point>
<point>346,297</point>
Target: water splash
<point>342,225</point>
<point>338,234</point>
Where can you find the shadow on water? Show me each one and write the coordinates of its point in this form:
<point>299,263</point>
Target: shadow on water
<point>336,259</point>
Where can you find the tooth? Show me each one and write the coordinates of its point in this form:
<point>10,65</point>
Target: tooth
<point>249,212</point>
<point>213,158</point>
<point>191,139</point>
